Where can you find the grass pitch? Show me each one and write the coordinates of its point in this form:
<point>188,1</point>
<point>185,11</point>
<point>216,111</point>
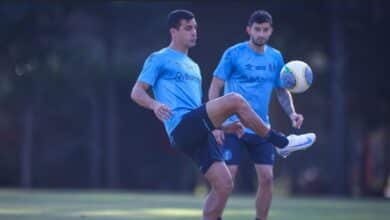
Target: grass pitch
<point>58,205</point>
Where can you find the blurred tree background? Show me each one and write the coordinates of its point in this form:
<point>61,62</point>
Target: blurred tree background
<point>66,70</point>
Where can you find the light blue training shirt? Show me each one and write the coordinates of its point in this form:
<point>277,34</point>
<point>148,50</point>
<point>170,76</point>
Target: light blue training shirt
<point>251,74</point>
<point>176,82</point>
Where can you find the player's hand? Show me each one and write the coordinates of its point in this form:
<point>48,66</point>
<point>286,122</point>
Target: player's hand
<point>235,127</point>
<point>162,111</point>
<point>296,119</point>
<point>219,136</point>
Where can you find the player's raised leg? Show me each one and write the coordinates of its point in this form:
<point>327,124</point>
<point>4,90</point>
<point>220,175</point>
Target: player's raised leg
<point>221,108</point>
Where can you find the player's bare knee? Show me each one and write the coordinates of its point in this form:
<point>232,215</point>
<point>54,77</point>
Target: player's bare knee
<point>224,187</point>
<point>237,100</point>
<point>266,180</point>
<point>227,187</point>
<point>224,190</point>
<point>235,97</point>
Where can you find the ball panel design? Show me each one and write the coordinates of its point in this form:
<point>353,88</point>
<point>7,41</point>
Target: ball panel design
<point>288,78</point>
<point>296,76</point>
<point>308,76</point>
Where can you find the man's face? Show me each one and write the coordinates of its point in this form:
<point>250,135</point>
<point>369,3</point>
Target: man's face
<point>186,34</point>
<point>259,33</point>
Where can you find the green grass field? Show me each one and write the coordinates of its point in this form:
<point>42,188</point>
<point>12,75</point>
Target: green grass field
<point>53,205</point>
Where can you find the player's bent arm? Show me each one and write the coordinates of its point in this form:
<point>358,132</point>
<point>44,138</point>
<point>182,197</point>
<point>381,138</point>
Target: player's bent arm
<point>285,100</point>
<point>215,88</point>
<point>141,97</point>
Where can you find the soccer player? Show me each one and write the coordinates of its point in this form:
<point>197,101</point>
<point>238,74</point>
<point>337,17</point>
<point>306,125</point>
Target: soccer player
<point>251,69</point>
<point>176,82</point>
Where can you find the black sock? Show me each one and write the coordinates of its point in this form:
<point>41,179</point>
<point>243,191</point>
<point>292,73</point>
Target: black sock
<point>277,139</point>
<point>219,218</point>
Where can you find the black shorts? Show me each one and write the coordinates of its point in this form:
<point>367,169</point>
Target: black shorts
<point>193,137</point>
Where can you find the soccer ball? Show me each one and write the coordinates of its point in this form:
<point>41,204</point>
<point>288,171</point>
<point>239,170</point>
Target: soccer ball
<point>296,76</point>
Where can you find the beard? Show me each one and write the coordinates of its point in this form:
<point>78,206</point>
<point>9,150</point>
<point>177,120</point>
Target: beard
<point>259,43</point>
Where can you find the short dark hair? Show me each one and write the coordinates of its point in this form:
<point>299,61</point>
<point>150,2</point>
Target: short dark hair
<point>260,16</point>
<point>174,17</point>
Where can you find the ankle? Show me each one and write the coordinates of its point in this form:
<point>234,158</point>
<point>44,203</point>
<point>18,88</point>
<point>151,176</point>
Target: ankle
<point>277,139</point>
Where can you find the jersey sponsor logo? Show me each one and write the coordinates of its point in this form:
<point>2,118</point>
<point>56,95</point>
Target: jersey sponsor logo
<point>264,76</point>
<point>180,77</point>
<point>260,67</point>
<point>258,78</point>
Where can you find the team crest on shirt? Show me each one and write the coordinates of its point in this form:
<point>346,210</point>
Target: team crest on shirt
<point>272,67</point>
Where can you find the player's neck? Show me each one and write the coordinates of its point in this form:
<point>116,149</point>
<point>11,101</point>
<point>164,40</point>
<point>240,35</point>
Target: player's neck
<point>257,48</point>
<point>178,47</point>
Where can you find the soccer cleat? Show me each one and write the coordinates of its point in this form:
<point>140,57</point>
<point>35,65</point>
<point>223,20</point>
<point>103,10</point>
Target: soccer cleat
<point>297,142</point>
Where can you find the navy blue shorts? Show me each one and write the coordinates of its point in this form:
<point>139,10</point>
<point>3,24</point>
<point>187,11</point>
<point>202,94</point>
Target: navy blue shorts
<point>193,137</point>
<point>260,150</point>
